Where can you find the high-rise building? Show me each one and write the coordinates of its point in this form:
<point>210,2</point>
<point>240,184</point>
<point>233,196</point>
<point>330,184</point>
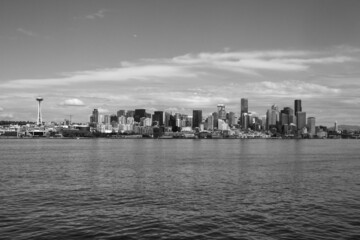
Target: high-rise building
<point>301,120</point>
<point>244,106</point>
<point>216,119</point>
<point>297,106</point>
<point>130,113</point>
<point>210,122</point>
<point>167,119</point>
<point>95,115</point>
<point>139,113</point>
<point>159,117</point>
<point>311,126</point>
<point>231,119</point>
<point>120,113</point>
<point>221,111</point>
<point>336,127</point>
<point>113,118</point>
<point>106,119</point>
<point>197,118</point>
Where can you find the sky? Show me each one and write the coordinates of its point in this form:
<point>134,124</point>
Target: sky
<point>178,56</point>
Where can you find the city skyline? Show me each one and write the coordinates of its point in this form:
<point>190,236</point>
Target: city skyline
<point>172,56</point>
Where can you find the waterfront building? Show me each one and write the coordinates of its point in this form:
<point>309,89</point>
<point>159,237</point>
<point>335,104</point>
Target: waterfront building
<point>336,127</point>
<point>197,118</point>
<point>244,108</point>
<point>113,118</point>
<point>245,120</point>
<point>106,119</point>
<point>297,106</point>
<point>95,115</point>
<point>130,113</point>
<point>216,119</point>
<point>231,119</point>
<point>139,113</point>
<point>311,126</point>
<point>167,119</point>
<point>122,120</point>
<point>210,122</point>
<point>120,113</point>
<point>301,120</point>
<point>159,117</point>
<point>222,125</point>
<point>130,120</point>
<point>221,111</point>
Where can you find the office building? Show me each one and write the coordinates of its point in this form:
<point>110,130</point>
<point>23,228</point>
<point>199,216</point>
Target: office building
<point>120,113</point>
<point>297,106</point>
<point>95,115</point>
<point>311,126</point>
<point>197,118</point>
<point>301,120</point>
<point>221,111</point>
<point>138,114</point>
<point>158,116</point>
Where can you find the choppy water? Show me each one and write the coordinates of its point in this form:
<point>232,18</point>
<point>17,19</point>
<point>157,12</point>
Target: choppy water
<point>179,189</point>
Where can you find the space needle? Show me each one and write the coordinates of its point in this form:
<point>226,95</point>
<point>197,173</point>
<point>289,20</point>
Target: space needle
<point>39,116</point>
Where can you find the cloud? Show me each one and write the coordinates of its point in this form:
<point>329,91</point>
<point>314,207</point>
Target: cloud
<point>6,116</point>
<point>98,14</point>
<point>72,102</point>
<point>124,73</point>
<point>295,89</point>
<point>27,32</point>
<point>103,110</point>
<point>1,109</point>
<point>247,62</point>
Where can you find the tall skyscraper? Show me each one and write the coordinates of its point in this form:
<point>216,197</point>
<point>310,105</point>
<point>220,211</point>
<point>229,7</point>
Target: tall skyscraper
<point>244,106</point>
<point>221,111</point>
<point>159,117</point>
<point>301,120</point>
<point>130,113</point>
<point>120,113</point>
<point>197,118</point>
<point>139,113</point>
<point>95,115</point>
<point>297,106</point>
<point>311,126</point>
<point>216,119</point>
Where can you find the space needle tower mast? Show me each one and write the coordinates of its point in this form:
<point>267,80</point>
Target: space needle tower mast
<point>39,116</point>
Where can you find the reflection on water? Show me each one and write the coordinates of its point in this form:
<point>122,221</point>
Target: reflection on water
<point>202,189</point>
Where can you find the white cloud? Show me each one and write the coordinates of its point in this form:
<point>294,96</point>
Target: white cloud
<point>1,109</point>
<point>103,110</point>
<point>290,89</point>
<point>26,32</point>
<point>72,102</point>
<point>6,115</point>
<point>98,14</point>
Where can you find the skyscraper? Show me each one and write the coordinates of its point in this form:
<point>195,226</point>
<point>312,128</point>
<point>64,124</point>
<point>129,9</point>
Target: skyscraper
<point>95,115</point>
<point>139,113</point>
<point>221,111</point>
<point>159,117</point>
<point>244,108</point>
<point>301,120</point>
<point>297,106</point>
<point>120,113</point>
<point>197,118</point>
<point>311,126</point>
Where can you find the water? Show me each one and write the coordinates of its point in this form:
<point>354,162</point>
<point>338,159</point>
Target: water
<point>179,189</point>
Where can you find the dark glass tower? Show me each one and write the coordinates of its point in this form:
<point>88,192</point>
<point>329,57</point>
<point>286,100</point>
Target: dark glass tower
<point>159,117</point>
<point>297,106</point>
<point>197,118</point>
<point>244,106</point>
<point>139,113</point>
